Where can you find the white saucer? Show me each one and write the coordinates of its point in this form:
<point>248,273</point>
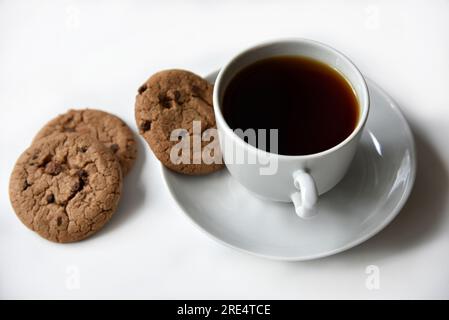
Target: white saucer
<point>372,193</point>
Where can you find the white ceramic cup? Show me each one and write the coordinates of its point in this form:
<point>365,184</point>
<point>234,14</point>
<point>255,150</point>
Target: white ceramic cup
<point>298,179</point>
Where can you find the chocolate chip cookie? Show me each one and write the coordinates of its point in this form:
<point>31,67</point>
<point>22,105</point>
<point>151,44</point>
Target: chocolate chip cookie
<point>107,128</point>
<point>178,99</point>
<point>66,187</point>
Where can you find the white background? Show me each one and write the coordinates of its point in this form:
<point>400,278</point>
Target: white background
<point>60,54</point>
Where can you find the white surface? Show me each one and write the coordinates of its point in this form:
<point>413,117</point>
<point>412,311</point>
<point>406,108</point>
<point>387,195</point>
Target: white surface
<point>371,194</point>
<point>59,54</point>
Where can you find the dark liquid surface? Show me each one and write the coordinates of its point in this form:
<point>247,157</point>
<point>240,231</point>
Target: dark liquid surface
<point>312,105</point>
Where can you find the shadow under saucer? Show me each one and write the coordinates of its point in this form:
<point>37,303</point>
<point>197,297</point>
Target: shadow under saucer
<point>420,218</point>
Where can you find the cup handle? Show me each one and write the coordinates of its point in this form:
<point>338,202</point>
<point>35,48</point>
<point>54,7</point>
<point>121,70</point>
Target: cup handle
<point>306,197</point>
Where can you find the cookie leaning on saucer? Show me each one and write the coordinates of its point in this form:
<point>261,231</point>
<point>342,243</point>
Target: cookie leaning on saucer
<point>174,99</point>
<point>66,187</point>
<point>105,127</point>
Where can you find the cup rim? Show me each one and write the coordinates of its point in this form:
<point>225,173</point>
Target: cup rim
<point>220,118</point>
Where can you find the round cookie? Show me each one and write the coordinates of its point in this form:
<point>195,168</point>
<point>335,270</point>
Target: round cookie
<point>107,128</point>
<point>66,187</point>
<point>174,99</point>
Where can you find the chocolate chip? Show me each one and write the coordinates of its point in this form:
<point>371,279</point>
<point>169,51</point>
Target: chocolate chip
<point>196,91</point>
<point>164,100</point>
<point>83,149</point>
<point>26,185</point>
<point>83,174</point>
<point>142,89</point>
<point>77,186</point>
<point>35,160</point>
<point>59,221</point>
<point>114,147</point>
<point>53,168</point>
<point>50,198</point>
<point>178,97</point>
<point>145,126</point>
